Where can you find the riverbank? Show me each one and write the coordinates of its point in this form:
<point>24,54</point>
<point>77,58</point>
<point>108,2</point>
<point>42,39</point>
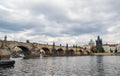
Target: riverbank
<point>103,54</point>
<point>6,57</point>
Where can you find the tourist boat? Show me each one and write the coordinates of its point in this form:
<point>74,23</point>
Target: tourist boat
<point>20,56</point>
<point>7,63</point>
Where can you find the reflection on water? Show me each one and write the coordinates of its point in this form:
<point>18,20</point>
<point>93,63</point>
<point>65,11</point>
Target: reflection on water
<point>65,66</point>
<point>100,66</point>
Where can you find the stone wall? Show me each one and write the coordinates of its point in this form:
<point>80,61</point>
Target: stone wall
<point>4,54</point>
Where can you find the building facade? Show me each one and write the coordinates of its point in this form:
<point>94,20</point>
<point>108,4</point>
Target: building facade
<point>110,48</point>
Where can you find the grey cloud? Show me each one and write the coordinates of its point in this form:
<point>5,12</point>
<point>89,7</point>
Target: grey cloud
<point>57,22</point>
<point>80,29</point>
<point>52,13</point>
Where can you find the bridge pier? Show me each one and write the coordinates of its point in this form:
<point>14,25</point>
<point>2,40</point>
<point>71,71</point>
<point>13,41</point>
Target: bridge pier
<point>4,54</point>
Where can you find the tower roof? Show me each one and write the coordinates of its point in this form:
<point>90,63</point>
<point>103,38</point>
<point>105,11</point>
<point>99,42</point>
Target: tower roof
<point>98,38</point>
<point>91,42</point>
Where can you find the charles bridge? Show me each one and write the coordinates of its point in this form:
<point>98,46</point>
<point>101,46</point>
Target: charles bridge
<point>34,49</point>
<point>8,48</point>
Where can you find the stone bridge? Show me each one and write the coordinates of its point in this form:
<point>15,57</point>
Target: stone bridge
<point>33,49</point>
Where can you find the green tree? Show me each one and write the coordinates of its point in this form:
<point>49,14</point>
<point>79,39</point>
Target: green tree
<point>93,49</point>
<point>100,50</point>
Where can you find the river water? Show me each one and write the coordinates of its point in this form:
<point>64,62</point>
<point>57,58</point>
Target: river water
<point>65,66</point>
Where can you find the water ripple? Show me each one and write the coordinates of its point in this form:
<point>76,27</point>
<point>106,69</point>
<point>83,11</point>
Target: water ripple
<point>65,66</point>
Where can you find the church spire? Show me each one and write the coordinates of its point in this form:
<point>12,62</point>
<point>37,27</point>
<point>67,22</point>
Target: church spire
<point>98,37</point>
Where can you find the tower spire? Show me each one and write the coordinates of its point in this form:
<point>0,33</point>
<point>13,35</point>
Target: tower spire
<point>98,37</point>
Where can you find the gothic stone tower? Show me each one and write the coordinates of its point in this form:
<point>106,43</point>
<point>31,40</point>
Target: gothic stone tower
<point>99,45</point>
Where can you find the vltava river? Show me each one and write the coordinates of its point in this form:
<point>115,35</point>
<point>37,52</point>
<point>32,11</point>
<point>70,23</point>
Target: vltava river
<point>65,66</point>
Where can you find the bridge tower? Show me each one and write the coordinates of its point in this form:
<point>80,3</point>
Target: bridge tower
<point>99,45</point>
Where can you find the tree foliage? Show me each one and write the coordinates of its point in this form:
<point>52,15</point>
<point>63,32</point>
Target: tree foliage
<point>93,49</point>
<point>100,50</point>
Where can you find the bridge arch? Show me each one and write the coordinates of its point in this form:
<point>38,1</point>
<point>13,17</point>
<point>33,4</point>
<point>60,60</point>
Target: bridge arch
<point>23,50</point>
<point>60,52</point>
<point>86,53</point>
<point>54,52</point>
<point>71,52</point>
<point>46,50</point>
<point>81,52</point>
<point>16,48</point>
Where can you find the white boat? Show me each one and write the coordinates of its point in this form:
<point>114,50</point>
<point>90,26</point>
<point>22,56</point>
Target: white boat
<point>21,56</point>
<point>16,58</point>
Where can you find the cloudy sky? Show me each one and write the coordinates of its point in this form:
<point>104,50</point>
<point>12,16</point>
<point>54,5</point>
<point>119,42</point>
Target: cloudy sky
<point>60,21</point>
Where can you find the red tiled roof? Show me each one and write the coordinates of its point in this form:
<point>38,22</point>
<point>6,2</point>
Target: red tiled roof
<point>110,44</point>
